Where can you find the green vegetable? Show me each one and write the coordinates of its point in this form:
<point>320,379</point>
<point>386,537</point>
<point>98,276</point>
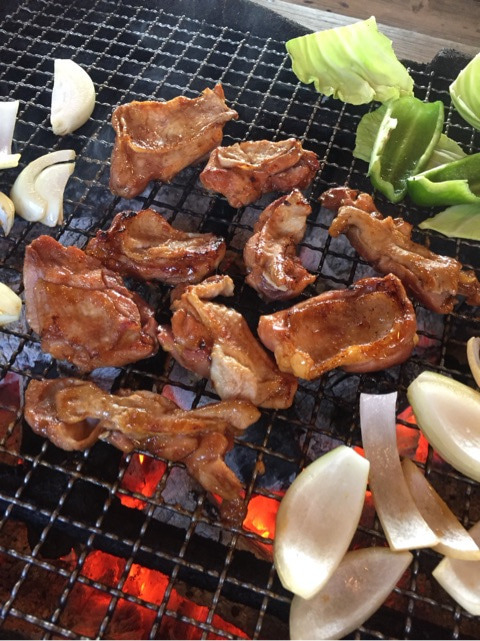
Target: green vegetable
<point>355,63</point>
<point>367,131</point>
<point>408,133</point>
<point>457,221</point>
<point>446,150</point>
<point>465,94</point>
<point>454,183</point>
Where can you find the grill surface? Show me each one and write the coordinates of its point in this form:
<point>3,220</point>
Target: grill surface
<point>61,510</point>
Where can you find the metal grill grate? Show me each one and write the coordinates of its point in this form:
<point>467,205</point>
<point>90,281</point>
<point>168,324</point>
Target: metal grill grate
<point>60,512</point>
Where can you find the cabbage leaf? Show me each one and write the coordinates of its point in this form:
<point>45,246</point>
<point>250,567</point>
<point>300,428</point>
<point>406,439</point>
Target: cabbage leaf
<point>458,221</point>
<point>355,63</point>
<point>465,94</point>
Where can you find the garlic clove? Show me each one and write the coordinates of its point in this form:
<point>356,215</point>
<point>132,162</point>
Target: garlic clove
<point>10,305</point>
<point>73,97</point>
<point>7,213</point>
<point>29,204</point>
<point>8,116</point>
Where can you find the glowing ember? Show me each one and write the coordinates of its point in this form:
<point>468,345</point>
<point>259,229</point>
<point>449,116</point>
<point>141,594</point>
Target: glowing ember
<point>261,515</point>
<point>142,476</point>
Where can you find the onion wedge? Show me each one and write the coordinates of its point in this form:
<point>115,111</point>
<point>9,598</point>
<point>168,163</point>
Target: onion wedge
<point>10,305</point>
<point>8,116</point>
<point>461,579</point>
<point>448,414</point>
<point>404,526</point>
<point>317,519</point>
<point>73,97</point>
<point>358,587</point>
<point>473,357</point>
<point>37,197</point>
<point>7,213</point>
<point>453,539</point>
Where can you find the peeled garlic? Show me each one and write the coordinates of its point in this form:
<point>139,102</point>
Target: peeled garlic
<point>7,213</point>
<point>8,116</point>
<point>73,97</point>
<point>10,305</point>
<point>39,198</point>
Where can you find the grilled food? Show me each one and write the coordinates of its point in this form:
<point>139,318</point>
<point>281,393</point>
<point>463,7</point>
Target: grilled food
<point>144,245</point>
<point>156,140</point>
<point>246,170</point>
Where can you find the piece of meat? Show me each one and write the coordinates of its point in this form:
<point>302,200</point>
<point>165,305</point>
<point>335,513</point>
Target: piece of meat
<point>145,246</point>
<point>82,311</point>
<point>74,414</point>
<point>366,328</point>
<point>215,342</point>
<point>246,170</point>
<point>273,267</point>
<point>156,140</point>
<point>386,244</point>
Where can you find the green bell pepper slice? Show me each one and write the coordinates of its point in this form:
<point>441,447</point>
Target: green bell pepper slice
<point>406,138</point>
<point>455,183</point>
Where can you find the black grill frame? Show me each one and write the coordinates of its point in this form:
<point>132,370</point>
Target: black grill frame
<point>140,51</point>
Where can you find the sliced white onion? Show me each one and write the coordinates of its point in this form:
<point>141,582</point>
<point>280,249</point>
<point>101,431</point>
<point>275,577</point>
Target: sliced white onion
<point>473,357</point>
<point>404,526</point>
<point>10,305</point>
<point>453,538</point>
<point>73,97</point>
<point>8,116</point>
<point>461,579</point>
<point>358,587</point>
<point>31,204</point>
<point>7,213</point>
<point>317,519</point>
<point>50,185</point>
<point>448,414</point>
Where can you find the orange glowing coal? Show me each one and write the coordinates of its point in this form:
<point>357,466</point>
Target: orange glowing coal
<point>142,476</point>
<point>261,515</point>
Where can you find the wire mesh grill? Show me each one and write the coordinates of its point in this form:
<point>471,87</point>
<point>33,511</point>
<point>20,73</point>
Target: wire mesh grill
<point>168,567</point>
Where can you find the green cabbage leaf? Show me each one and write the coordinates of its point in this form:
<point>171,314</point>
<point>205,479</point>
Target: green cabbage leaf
<point>465,94</point>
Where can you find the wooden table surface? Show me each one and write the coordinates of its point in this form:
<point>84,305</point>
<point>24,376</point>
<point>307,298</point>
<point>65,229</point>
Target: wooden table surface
<point>417,28</point>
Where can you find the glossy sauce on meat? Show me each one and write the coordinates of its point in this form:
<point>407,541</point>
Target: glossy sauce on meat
<point>274,269</point>
<point>144,245</point>
<point>369,327</point>
<point>82,311</point>
<point>244,171</point>
<point>156,140</point>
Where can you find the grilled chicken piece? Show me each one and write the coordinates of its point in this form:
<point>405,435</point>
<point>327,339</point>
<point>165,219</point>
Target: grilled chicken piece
<point>146,246</point>
<point>156,140</point>
<point>246,170</point>
<point>433,279</point>
<point>215,342</point>
<point>366,328</point>
<point>274,269</point>
<point>82,311</point>
<point>74,414</point>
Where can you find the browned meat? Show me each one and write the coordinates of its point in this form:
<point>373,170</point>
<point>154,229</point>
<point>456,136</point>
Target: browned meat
<point>366,328</point>
<point>156,140</point>
<point>146,246</point>
<point>74,414</point>
<point>433,279</point>
<point>274,269</point>
<point>246,170</point>
<point>215,342</point>
<point>82,311</point>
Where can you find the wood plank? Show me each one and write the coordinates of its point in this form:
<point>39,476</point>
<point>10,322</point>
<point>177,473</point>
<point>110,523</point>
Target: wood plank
<point>409,44</point>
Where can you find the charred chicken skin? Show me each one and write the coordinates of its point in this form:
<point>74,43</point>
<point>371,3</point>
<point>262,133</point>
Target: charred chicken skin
<point>156,140</point>
<point>74,414</point>
<point>274,269</point>
<point>244,171</point>
<point>145,246</point>
<point>385,243</point>
<point>215,342</point>
<point>82,311</point>
<point>366,328</point>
